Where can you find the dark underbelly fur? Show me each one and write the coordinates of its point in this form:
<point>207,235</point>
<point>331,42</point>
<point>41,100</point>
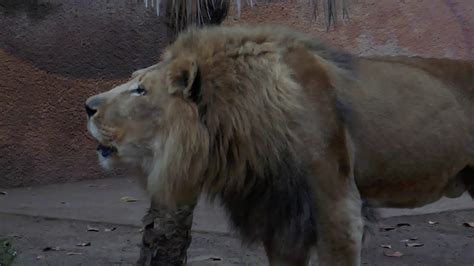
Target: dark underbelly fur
<point>277,209</point>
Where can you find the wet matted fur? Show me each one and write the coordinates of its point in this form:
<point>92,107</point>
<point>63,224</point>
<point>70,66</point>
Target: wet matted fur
<point>291,135</point>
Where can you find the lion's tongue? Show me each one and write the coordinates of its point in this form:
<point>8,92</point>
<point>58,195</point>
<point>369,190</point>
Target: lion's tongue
<point>105,151</point>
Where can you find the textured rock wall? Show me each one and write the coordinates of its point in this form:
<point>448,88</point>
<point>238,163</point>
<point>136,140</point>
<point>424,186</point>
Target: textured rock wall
<point>434,28</point>
<point>54,54</point>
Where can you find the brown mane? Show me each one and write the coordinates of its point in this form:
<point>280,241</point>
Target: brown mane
<point>231,93</point>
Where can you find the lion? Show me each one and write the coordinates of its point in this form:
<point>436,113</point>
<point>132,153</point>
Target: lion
<point>291,135</point>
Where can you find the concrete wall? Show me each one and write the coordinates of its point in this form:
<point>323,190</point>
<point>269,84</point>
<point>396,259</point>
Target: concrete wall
<point>433,28</point>
<point>54,54</point>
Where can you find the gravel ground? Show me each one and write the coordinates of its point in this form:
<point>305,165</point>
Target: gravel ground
<point>433,239</point>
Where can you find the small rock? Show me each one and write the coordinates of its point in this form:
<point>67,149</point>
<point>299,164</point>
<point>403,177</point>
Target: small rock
<point>414,245</point>
<point>403,224</point>
<point>128,199</point>
<point>92,229</point>
<point>73,253</point>
<point>205,258</point>
<point>51,249</point>
<point>471,224</point>
<point>387,228</point>
<point>85,244</point>
<point>390,253</point>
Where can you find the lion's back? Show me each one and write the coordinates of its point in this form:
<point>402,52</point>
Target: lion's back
<point>410,119</point>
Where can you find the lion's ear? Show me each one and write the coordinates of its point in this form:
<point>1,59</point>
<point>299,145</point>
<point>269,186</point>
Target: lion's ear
<point>184,77</point>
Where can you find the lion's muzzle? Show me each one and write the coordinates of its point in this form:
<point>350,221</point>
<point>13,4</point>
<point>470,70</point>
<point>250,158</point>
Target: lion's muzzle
<point>91,106</point>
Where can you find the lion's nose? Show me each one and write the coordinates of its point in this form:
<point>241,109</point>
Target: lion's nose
<point>91,106</point>
<point>90,112</point>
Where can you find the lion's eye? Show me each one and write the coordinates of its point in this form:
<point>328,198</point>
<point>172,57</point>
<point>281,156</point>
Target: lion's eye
<point>139,91</point>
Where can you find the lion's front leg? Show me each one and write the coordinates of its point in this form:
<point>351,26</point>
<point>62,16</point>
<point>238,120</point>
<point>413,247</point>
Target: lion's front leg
<point>339,211</point>
<point>275,258</point>
<point>340,230</point>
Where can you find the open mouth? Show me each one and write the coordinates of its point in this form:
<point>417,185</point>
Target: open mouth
<point>106,151</point>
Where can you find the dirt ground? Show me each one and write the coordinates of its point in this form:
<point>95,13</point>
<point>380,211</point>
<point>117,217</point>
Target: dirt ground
<point>444,239</point>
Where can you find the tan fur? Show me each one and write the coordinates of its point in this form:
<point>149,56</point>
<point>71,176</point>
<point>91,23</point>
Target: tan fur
<point>392,131</point>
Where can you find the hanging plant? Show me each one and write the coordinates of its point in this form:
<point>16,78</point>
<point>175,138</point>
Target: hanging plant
<point>180,13</point>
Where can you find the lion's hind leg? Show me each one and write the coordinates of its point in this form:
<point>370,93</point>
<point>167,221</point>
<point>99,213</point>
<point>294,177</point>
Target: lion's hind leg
<point>461,183</point>
<point>276,258</point>
<point>467,177</point>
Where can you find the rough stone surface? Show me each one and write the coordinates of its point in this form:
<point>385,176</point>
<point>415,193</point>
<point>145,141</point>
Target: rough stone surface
<point>101,200</point>
<point>94,39</point>
<point>59,215</point>
<point>446,243</point>
<point>56,53</point>
<point>433,28</point>
<point>53,55</point>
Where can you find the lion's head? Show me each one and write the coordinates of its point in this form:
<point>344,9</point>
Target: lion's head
<point>219,112</point>
<point>137,122</point>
